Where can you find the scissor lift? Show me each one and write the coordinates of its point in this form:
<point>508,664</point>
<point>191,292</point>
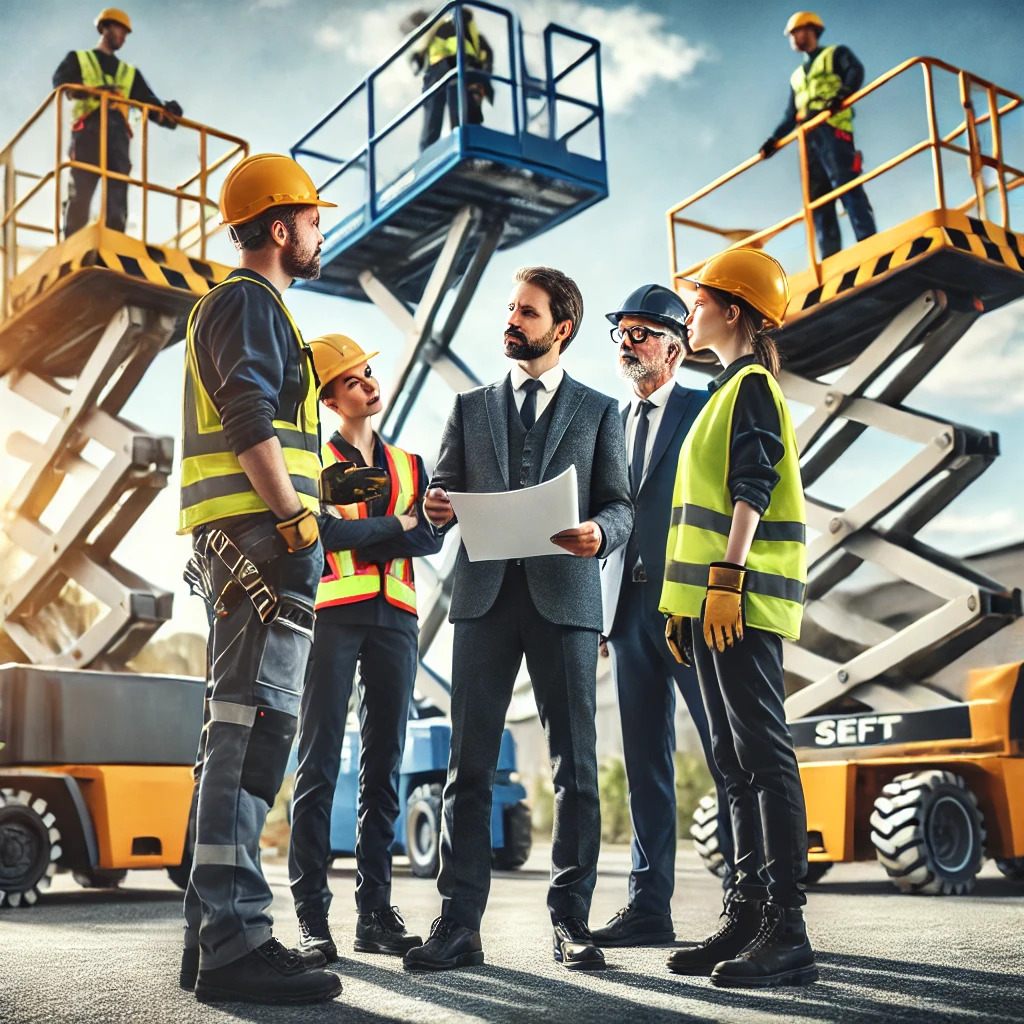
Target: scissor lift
<point>94,761</point>
<point>891,765</point>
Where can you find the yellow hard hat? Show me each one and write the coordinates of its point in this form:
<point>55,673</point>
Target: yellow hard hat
<point>263,181</point>
<point>333,354</point>
<point>802,18</point>
<point>752,275</point>
<point>113,14</point>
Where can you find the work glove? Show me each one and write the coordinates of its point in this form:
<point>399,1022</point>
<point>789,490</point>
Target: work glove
<point>768,147</point>
<point>679,639</point>
<point>300,532</point>
<point>723,606</point>
<point>171,112</point>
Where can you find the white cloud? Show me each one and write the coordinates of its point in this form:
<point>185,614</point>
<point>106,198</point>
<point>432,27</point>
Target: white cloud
<point>990,524</point>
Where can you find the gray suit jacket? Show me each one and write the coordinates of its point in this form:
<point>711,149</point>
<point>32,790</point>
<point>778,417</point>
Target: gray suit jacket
<point>585,431</point>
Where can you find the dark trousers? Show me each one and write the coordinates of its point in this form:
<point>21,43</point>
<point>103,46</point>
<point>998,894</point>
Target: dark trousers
<point>85,146</point>
<point>743,694</point>
<point>387,671</point>
<point>646,678</point>
<point>562,662</point>
<point>433,106</point>
<point>833,161</point>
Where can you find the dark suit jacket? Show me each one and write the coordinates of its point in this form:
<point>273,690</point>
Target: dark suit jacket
<point>653,506</point>
<point>585,431</point>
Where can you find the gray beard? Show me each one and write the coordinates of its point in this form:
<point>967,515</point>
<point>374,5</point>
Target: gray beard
<point>635,371</point>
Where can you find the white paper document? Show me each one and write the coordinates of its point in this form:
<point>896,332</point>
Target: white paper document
<point>517,524</point>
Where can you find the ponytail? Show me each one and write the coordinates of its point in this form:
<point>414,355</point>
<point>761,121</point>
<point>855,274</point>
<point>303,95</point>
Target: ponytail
<point>754,328</point>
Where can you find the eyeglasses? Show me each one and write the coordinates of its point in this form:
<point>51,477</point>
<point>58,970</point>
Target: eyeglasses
<point>637,334</point>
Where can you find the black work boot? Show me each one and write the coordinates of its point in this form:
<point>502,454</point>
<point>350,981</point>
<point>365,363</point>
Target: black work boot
<point>315,935</point>
<point>574,946</point>
<point>780,955</point>
<point>632,927</point>
<point>311,959</point>
<point>383,931</point>
<point>450,945</point>
<point>268,974</point>
<point>741,920</point>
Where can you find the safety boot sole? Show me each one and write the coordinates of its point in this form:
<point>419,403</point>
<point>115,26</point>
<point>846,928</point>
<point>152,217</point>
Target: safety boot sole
<point>369,946</point>
<point>645,939</point>
<point>594,964</point>
<point>462,960</point>
<point>797,976</point>
<point>214,994</point>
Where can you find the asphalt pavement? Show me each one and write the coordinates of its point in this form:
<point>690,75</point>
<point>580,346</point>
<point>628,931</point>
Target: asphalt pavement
<point>104,957</point>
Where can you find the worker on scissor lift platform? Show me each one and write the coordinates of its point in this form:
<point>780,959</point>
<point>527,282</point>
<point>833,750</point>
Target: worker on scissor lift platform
<point>100,68</point>
<point>250,478</point>
<point>734,586</point>
<point>827,76</point>
<point>366,614</point>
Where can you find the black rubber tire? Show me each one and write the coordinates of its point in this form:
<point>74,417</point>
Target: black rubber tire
<point>423,830</point>
<point>98,878</point>
<point>816,871</point>
<point>29,847</point>
<point>929,833</point>
<point>704,833</point>
<point>1012,867</point>
<point>518,838</point>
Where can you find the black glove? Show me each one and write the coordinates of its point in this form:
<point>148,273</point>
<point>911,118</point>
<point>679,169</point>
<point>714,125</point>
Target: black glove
<point>173,107</point>
<point>172,111</point>
<point>768,147</point>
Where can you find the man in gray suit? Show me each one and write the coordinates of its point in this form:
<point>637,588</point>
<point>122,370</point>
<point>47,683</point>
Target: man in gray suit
<point>529,427</point>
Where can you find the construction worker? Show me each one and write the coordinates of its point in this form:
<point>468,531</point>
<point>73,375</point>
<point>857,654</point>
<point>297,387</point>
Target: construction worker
<point>250,496</point>
<point>733,590</point>
<point>366,614</point>
<point>650,336</point>
<point>435,56</point>
<point>827,76</point>
<point>100,68</point>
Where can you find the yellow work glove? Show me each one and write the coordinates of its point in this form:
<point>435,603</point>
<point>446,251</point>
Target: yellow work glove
<point>300,532</point>
<point>678,638</point>
<point>723,605</point>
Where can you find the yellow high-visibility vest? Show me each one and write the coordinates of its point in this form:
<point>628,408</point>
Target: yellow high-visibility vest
<point>702,510</point>
<point>346,580</point>
<point>213,483</point>
<point>443,48</point>
<point>95,77</point>
<point>816,88</point>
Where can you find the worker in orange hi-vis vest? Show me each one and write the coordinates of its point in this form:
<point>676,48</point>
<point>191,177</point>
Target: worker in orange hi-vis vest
<point>366,615</point>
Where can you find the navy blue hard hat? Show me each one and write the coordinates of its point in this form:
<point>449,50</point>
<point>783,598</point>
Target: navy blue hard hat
<point>653,302</point>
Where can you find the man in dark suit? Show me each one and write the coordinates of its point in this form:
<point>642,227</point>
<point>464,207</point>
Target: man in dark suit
<point>651,338</point>
<point>529,427</point>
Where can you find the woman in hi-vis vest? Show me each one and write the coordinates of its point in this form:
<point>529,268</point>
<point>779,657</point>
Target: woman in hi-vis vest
<point>735,571</point>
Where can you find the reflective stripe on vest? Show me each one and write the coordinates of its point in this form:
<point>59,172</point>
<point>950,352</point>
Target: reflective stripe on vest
<point>213,483</point>
<point>94,77</point>
<point>816,88</point>
<point>346,580</point>
<point>702,517</point>
<point>446,47</point>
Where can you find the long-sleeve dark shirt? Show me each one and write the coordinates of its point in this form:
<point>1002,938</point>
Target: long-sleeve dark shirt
<point>755,447</point>
<point>69,72</point>
<point>846,66</point>
<point>379,538</point>
<point>248,360</point>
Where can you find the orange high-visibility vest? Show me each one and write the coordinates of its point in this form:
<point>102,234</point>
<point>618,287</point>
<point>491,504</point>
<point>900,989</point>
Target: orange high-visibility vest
<point>346,580</point>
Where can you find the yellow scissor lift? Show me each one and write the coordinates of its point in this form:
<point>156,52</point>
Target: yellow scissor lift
<point>94,761</point>
<point>891,765</point>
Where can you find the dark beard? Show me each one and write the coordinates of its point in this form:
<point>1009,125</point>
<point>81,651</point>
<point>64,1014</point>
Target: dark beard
<point>302,265</point>
<point>523,350</point>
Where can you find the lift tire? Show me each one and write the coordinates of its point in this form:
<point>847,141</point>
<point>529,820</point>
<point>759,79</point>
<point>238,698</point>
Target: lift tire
<point>928,833</point>
<point>518,838</point>
<point>423,830</point>
<point>816,871</point>
<point>99,878</point>
<point>30,846</point>
<point>704,833</point>
<point>1012,867</point>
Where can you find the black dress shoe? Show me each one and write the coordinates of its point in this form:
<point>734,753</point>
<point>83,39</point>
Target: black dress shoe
<point>315,935</point>
<point>450,945</point>
<point>632,927</point>
<point>574,946</point>
<point>383,931</point>
<point>311,959</point>
<point>268,974</point>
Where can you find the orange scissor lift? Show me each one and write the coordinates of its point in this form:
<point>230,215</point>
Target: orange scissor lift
<point>95,762</point>
<point>892,765</point>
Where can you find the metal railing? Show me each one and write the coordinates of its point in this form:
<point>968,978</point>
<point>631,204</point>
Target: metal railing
<point>963,140</point>
<point>195,208</point>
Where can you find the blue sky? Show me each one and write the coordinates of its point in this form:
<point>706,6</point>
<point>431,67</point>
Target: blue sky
<point>692,88</point>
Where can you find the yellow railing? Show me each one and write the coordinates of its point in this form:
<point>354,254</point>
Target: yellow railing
<point>998,101</point>
<point>195,208</point>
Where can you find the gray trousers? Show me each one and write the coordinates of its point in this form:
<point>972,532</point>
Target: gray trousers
<point>256,682</point>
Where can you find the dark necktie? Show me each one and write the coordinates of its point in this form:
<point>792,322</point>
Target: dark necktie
<point>633,568</point>
<point>528,412</point>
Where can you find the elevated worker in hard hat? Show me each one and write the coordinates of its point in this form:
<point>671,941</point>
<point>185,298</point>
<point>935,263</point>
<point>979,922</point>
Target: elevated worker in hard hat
<point>650,336</point>
<point>733,590</point>
<point>100,68</point>
<point>366,617</point>
<point>250,473</point>
<point>822,82</point>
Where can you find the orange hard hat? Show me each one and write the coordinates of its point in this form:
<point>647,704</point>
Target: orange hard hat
<point>333,354</point>
<point>752,275</point>
<point>113,14</point>
<point>263,181</point>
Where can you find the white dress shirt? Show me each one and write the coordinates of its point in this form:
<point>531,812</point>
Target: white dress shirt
<point>549,380</point>
<point>659,399</point>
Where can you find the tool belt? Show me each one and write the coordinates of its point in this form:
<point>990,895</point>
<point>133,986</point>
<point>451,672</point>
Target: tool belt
<point>246,579</point>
